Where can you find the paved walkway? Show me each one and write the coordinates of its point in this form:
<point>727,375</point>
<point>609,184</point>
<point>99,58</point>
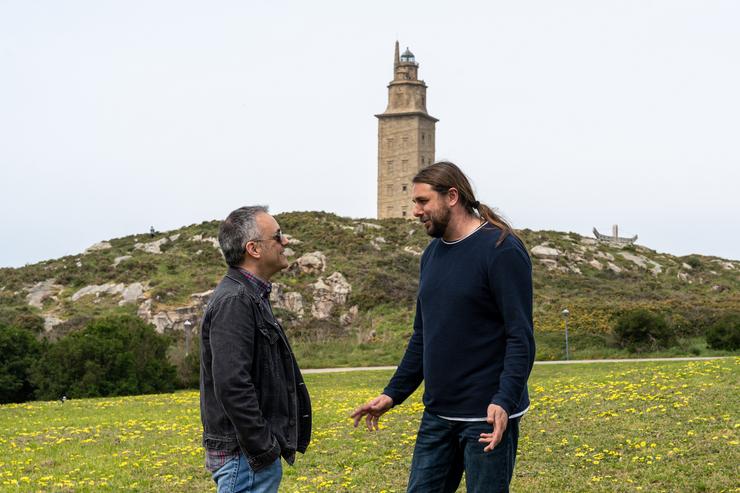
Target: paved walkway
<point>558,362</point>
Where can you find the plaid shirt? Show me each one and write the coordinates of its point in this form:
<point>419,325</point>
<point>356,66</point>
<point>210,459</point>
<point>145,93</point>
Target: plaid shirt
<point>215,459</point>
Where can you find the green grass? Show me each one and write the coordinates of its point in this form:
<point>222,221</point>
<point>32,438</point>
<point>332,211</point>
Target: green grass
<point>389,343</point>
<point>666,426</point>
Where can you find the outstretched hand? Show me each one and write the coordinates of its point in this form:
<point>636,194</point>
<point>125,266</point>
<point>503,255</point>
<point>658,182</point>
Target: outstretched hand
<point>372,411</point>
<point>499,419</point>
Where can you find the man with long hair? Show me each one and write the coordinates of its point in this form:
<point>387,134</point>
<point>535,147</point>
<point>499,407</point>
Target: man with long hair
<point>473,341</point>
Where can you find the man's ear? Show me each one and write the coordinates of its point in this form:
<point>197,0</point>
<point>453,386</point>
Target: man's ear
<point>251,249</point>
<point>453,196</point>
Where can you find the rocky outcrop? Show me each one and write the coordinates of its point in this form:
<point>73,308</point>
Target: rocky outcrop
<point>152,246</point>
<point>310,263</point>
<point>291,301</point>
<point>103,245</point>
<point>120,259</point>
<point>41,291</point>
<point>412,250</point>
<point>175,319</point>
<point>545,252</point>
<point>132,293</point>
<point>129,294</point>
<point>376,242</point>
<point>329,293</point>
<point>349,317</point>
<point>97,290</point>
<point>208,239</point>
<point>643,262</point>
<point>50,321</point>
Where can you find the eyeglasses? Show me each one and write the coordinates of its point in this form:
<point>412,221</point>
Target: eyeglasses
<point>279,237</point>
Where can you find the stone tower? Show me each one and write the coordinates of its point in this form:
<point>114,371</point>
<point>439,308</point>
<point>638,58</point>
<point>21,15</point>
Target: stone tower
<point>405,137</point>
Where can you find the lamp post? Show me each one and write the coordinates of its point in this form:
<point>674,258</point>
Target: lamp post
<point>187,325</point>
<point>565,313</point>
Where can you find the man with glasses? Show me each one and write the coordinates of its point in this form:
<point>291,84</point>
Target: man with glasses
<point>254,405</point>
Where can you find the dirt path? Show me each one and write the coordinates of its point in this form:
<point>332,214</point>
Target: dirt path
<point>559,362</point>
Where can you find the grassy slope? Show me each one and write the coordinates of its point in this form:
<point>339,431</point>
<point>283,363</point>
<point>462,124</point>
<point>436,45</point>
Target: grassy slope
<point>384,283</point>
<point>658,427</point>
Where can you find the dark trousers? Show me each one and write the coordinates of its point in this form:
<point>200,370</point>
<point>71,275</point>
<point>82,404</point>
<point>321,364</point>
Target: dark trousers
<point>445,448</point>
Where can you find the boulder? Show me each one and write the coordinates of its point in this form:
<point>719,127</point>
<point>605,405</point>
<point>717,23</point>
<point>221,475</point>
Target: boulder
<point>605,255</point>
<point>614,268</point>
<point>40,291</point>
<point>103,245</point>
<point>412,250</point>
<point>596,264</point>
<point>174,319</point>
<point>287,300</point>
<point>329,293</point>
<point>545,252</point>
<point>97,290</point>
<point>643,262</point>
<point>349,316</point>
<point>152,246</point>
<point>549,263</point>
<point>310,263</point>
<point>208,239</point>
<point>120,259</point>
<point>132,293</point>
<point>50,321</point>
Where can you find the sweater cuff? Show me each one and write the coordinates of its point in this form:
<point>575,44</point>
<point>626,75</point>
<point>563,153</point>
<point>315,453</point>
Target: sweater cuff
<point>397,397</point>
<point>505,405</point>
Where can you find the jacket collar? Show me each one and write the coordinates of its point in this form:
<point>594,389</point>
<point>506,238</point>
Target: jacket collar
<point>255,285</point>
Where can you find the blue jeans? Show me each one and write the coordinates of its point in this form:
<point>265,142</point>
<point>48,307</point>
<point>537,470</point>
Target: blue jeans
<point>444,449</point>
<point>237,477</point>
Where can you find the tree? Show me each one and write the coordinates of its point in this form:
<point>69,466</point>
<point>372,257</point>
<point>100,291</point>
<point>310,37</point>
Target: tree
<point>117,355</point>
<point>18,351</point>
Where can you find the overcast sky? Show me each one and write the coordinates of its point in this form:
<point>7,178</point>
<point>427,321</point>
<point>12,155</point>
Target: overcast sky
<point>115,116</point>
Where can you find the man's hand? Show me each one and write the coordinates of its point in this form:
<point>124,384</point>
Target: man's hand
<point>499,419</point>
<point>372,411</point>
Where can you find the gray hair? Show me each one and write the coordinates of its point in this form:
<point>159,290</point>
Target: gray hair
<point>237,229</point>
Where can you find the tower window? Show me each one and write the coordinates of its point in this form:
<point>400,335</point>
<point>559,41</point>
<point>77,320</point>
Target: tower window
<point>405,165</point>
<point>403,213</point>
<point>389,165</point>
<point>423,137</point>
<point>403,187</point>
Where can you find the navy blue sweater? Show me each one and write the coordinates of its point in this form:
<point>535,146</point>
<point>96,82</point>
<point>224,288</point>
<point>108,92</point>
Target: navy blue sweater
<point>473,340</point>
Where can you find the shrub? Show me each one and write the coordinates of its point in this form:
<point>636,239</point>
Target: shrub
<point>725,332</point>
<point>22,317</point>
<point>117,355</point>
<point>18,350</point>
<point>640,329</point>
<point>695,262</point>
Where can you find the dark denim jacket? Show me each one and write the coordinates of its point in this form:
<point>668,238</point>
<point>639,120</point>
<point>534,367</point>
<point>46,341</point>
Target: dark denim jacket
<point>252,395</point>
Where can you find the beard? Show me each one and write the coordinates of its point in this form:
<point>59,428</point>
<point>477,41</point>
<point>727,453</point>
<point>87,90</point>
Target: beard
<point>438,223</point>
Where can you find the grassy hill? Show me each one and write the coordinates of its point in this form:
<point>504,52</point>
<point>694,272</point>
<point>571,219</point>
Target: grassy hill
<point>363,315</point>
